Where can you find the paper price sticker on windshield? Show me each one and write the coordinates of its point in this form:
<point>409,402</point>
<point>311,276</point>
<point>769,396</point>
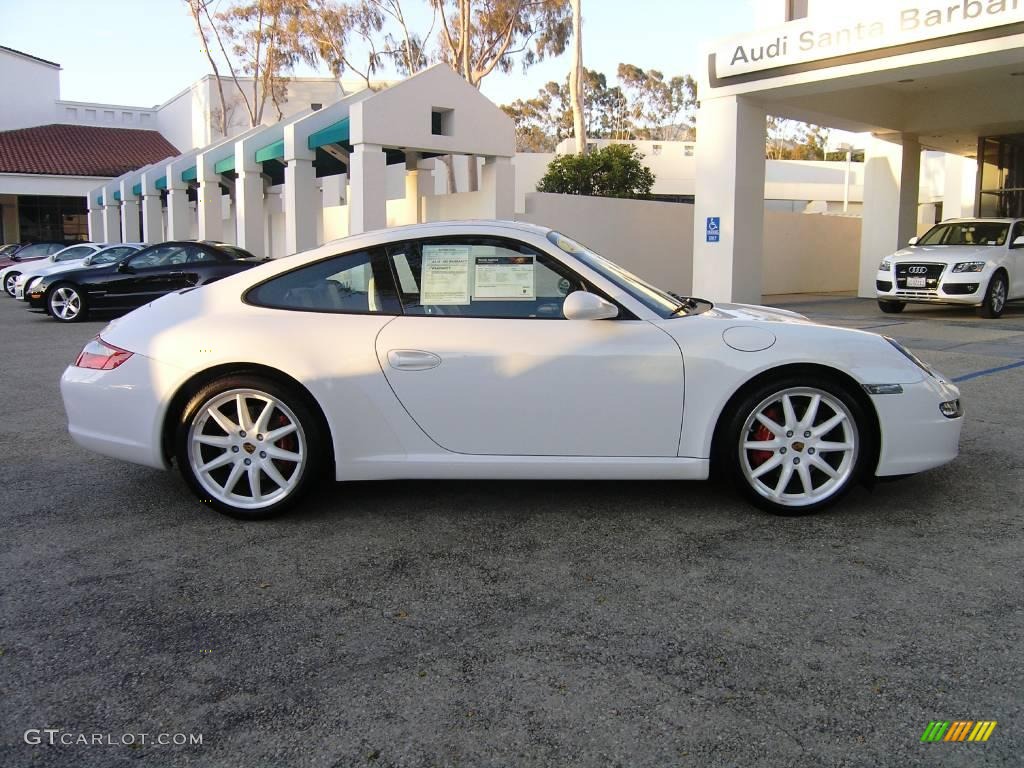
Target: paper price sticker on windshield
<point>445,275</point>
<point>504,277</point>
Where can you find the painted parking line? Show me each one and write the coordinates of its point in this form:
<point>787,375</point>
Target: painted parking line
<point>987,371</point>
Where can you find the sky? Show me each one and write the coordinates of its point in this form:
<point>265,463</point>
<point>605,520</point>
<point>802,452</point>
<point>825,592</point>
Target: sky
<point>143,52</point>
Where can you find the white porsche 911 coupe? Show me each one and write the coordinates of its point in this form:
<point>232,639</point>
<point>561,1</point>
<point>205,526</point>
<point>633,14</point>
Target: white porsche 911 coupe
<point>495,350</point>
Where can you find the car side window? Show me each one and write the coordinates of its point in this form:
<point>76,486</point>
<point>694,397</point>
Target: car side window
<point>199,256</point>
<point>480,277</point>
<point>1018,231</point>
<point>79,252</point>
<point>355,283</point>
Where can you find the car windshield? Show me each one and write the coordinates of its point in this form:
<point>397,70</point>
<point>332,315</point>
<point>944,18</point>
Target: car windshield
<point>966,233</point>
<point>111,255</point>
<point>663,303</point>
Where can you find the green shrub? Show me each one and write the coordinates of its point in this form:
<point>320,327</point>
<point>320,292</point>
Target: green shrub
<point>616,170</point>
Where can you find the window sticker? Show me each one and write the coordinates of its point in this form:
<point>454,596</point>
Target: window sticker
<point>504,277</point>
<point>445,275</point>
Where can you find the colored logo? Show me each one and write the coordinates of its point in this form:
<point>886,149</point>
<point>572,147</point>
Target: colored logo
<point>958,730</point>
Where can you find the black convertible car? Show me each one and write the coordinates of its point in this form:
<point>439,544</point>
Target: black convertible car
<point>137,279</point>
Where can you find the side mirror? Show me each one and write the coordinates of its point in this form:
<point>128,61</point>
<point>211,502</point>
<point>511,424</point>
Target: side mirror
<point>125,267</point>
<point>580,305</point>
<point>912,241</point>
<point>1018,242</point>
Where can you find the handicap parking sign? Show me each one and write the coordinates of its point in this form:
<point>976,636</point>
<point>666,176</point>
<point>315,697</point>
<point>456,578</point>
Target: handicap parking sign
<point>713,228</point>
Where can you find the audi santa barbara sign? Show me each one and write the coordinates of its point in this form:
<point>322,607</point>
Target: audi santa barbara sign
<point>879,26</point>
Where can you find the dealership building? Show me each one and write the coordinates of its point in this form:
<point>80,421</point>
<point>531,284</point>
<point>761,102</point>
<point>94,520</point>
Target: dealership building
<point>914,74</point>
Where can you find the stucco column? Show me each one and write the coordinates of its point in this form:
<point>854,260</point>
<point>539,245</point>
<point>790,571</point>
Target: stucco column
<point>179,224</point>
<point>367,200</point>
<point>95,219</point>
<point>302,197</point>
<point>152,216</point>
<point>498,182</point>
<point>249,203</point>
<point>892,172</point>
<point>129,214</point>
<point>208,204</point>
<point>111,219</point>
<point>730,189</point>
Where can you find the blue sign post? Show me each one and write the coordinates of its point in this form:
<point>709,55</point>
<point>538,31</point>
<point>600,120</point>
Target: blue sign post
<point>714,224</point>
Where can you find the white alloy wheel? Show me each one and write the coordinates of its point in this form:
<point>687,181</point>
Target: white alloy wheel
<point>65,303</point>
<point>247,449</point>
<point>11,282</point>
<point>798,447</point>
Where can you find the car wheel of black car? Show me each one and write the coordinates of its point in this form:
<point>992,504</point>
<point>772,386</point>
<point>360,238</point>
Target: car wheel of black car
<point>66,303</point>
<point>10,282</point>
<point>892,307</point>
<point>995,297</point>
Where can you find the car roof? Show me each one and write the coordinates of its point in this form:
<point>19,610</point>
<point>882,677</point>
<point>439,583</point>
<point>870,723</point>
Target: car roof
<point>980,219</point>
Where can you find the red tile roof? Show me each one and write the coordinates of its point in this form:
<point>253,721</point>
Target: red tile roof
<point>80,150</point>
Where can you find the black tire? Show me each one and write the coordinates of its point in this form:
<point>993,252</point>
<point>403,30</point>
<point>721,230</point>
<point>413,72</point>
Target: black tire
<point>994,303</point>
<point>892,307</point>
<point>61,295</point>
<point>310,431</point>
<point>9,280</point>
<point>730,454</point>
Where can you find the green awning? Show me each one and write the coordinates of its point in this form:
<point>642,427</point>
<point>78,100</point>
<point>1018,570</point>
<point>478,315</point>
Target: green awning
<point>273,151</point>
<point>332,134</point>
<point>189,174</point>
<point>117,196</point>
<point>137,189</point>
<point>225,165</point>
<point>161,183</point>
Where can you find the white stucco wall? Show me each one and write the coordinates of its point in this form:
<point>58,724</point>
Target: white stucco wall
<point>30,90</point>
<point>652,239</point>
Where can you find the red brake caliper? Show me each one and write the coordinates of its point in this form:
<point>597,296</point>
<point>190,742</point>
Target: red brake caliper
<point>763,434</point>
<point>286,443</point>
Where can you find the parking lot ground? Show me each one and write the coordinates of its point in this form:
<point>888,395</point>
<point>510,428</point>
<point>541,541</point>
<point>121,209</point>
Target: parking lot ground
<point>529,623</point>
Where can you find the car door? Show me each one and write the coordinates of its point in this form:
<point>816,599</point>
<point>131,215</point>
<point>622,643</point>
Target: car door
<point>484,361</point>
<point>1016,261</point>
<point>143,277</point>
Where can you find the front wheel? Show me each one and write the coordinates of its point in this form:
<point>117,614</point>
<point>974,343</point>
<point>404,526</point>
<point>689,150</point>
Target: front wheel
<point>66,303</point>
<point>796,445</point>
<point>995,297</point>
<point>11,282</point>
<point>892,307</point>
<point>248,446</point>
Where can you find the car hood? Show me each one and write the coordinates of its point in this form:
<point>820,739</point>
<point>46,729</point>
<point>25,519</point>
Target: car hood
<point>51,268</point>
<point>48,267</point>
<point>754,312</point>
<point>945,254</point>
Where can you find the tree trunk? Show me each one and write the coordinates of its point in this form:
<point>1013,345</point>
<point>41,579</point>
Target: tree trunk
<point>576,84</point>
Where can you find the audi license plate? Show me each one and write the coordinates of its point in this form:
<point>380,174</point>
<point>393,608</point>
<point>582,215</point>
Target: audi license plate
<point>917,282</point>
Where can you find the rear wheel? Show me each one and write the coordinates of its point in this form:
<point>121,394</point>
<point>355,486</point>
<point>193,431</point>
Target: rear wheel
<point>995,297</point>
<point>66,303</point>
<point>796,445</point>
<point>892,307</point>
<point>10,282</point>
<point>248,446</point>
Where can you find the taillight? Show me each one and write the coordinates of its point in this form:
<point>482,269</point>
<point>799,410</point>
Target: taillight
<point>101,356</point>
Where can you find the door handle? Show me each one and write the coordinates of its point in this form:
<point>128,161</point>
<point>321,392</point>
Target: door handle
<point>412,360</point>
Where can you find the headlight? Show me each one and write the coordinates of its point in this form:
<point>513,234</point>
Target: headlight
<point>969,266</point>
<point>912,357</point>
<point>885,266</point>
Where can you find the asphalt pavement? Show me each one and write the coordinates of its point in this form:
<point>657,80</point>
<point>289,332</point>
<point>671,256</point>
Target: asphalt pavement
<point>512,623</point>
